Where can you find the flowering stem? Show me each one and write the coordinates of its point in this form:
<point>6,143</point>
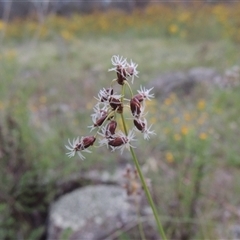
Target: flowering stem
<point>126,82</point>
<point>149,197</point>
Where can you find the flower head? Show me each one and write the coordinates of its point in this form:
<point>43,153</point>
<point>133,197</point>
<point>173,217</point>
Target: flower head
<point>116,104</point>
<point>118,61</point>
<point>110,104</point>
<point>136,107</point>
<point>121,141</point>
<point>145,93</point>
<point>118,140</point>
<point>141,125</point>
<point>73,147</point>
<point>82,145</point>
<point>123,69</point>
<point>98,117</point>
<point>110,129</point>
<point>132,70</point>
<point>104,94</point>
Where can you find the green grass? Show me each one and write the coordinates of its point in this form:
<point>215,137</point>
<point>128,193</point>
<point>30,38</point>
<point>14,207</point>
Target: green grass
<point>48,88</point>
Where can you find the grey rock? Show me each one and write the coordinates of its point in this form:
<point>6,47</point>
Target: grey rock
<point>168,82</point>
<point>235,232</point>
<point>91,212</point>
<point>200,74</point>
<point>184,82</point>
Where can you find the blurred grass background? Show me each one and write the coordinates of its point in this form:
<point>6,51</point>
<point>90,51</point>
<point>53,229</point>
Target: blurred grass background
<point>52,69</point>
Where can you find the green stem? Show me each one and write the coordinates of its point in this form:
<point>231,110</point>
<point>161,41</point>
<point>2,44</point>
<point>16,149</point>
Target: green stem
<point>126,83</point>
<point>149,197</point>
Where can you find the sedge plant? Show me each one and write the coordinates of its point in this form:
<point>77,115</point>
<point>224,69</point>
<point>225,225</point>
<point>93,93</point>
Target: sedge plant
<point>109,112</point>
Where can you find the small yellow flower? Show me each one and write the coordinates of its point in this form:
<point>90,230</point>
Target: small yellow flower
<point>168,101</point>
<point>184,130</point>
<point>2,25</point>
<point>203,136</point>
<point>169,157</point>
<point>173,28</point>
<point>66,35</point>
<point>201,104</point>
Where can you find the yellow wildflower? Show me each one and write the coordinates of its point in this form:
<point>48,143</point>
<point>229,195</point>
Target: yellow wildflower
<point>2,25</point>
<point>201,104</point>
<point>169,157</point>
<point>168,101</point>
<point>203,136</point>
<point>66,35</point>
<point>184,130</point>
<point>173,28</point>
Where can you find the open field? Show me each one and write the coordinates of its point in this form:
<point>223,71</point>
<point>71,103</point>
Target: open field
<point>47,88</point>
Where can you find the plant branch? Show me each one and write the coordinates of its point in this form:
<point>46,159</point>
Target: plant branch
<point>149,197</point>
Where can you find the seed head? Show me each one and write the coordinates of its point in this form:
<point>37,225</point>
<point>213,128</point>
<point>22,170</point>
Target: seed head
<point>110,129</point>
<point>82,145</point>
<point>123,69</point>
<point>136,107</point>
<point>142,126</point>
<point>105,113</point>
<point>99,116</point>
<point>104,94</point>
<point>145,93</point>
<point>116,104</point>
